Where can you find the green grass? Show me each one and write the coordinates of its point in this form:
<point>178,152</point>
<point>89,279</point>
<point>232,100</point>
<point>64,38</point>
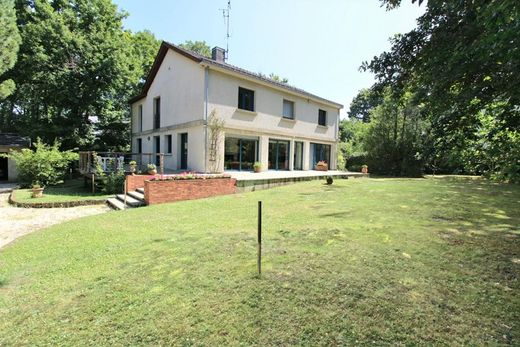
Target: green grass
<point>73,190</point>
<point>361,262</point>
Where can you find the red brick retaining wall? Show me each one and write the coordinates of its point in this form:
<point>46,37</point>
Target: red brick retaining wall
<point>158,192</point>
<point>136,181</point>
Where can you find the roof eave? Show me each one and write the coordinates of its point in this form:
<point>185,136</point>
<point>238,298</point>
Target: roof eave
<point>272,84</point>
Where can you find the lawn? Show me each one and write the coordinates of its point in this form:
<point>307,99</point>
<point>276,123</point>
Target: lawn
<point>364,262</point>
<point>72,190</point>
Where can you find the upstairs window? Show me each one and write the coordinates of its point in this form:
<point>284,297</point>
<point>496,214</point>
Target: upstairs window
<point>288,109</point>
<point>140,118</point>
<point>246,99</point>
<point>156,113</point>
<point>322,117</point>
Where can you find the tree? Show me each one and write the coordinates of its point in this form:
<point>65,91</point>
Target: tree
<point>9,43</point>
<point>277,78</point>
<point>75,71</point>
<point>274,77</point>
<point>200,47</point>
<point>363,104</point>
<point>462,60</point>
<point>396,137</point>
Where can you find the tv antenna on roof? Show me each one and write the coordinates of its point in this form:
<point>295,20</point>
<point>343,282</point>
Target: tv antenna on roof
<point>225,14</point>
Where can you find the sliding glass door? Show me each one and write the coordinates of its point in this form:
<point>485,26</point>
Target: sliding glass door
<point>240,154</point>
<point>278,155</point>
<point>298,155</point>
<point>319,152</point>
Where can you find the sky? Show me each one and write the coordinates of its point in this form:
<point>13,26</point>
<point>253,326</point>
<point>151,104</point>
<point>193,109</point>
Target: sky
<point>317,44</point>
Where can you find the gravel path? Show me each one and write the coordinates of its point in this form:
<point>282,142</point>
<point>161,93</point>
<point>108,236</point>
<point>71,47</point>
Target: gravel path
<point>16,222</point>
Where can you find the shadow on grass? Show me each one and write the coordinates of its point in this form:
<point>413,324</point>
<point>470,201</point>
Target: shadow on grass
<point>75,187</point>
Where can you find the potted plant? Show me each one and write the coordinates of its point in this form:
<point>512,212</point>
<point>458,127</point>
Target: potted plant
<point>322,166</point>
<point>37,190</point>
<point>152,169</point>
<point>133,167</point>
<point>364,169</point>
<point>257,166</point>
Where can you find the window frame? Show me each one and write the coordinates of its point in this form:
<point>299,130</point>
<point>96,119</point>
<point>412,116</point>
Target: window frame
<point>320,114</point>
<point>140,117</point>
<point>169,143</point>
<point>157,112</point>
<point>292,116</point>
<point>242,99</point>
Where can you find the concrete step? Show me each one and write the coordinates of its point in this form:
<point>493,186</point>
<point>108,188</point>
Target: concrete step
<point>137,195</point>
<point>130,201</point>
<point>140,190</point>
<point>116,204</point>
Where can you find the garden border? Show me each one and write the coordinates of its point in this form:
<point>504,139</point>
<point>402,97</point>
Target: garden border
<point>62,204</point>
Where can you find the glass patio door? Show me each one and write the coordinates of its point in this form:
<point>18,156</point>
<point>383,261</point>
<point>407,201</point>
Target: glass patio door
<point>278,155</point>
<point>298,155</point>
<point>240,154</point>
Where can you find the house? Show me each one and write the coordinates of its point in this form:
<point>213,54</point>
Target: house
<point>9,142</point>
<point>278,125</point>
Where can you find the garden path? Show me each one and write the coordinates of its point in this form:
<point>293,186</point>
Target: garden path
<point>16,222</point>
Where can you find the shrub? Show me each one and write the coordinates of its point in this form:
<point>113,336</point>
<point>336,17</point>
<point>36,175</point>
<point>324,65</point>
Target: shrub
<point>114,182</point>
<point>46,164</point>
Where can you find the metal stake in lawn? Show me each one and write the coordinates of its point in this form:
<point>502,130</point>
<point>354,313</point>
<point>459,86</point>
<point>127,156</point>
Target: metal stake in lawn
<point>259,261</point>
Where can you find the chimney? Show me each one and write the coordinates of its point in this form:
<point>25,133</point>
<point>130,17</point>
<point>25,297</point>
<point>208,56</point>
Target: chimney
<point>218,54</point>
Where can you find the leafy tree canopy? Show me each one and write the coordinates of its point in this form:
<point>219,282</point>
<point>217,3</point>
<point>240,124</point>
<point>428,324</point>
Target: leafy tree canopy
<point>462,62</point>
<point>363,104</point>
<point>75,71</point>
<point>9,44</point>
<point>275,77</point>
<point>200,47</point>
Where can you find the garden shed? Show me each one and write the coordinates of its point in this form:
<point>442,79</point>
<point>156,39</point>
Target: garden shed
<point>9,142</point>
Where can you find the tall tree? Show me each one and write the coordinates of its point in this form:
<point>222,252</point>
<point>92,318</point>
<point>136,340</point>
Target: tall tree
<point>462,60</point>
<point>9,44</point>
<point>76,69</point>
<point>200,47</point>
<point>363,104</point>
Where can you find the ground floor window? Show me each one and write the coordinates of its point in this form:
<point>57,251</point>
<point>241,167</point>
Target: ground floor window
<point>278,155</point>
<point>319,152</point>
<point>240,154</point>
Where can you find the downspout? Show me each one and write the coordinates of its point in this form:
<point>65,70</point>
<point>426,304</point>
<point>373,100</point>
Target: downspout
<point>206,92</point>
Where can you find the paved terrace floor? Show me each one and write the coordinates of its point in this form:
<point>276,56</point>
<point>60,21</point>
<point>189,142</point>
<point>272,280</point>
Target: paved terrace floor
<point>268,175</point>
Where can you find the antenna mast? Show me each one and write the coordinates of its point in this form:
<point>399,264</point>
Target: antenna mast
<point>225,14</point>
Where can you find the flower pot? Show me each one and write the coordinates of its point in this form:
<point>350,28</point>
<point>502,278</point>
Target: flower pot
<point>257,169</point>
<point>321,167</point>
<point>37,192</point>
<point>152,172</point>
<point>133,169</point>
<point>364,170</point>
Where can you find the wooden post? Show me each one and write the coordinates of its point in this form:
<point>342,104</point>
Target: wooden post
<point>259,261</point>
<point>93,183</point>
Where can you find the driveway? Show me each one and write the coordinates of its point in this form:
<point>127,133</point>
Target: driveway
<point>16,222</point>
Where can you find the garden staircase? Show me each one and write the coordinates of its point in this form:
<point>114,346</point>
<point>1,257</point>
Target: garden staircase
<point>133,199</point>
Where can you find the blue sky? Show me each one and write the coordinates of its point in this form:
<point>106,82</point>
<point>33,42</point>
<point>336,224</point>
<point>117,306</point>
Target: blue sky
<point>317,44</point>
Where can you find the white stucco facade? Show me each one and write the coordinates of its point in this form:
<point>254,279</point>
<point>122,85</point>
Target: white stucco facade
<point>190,91</point>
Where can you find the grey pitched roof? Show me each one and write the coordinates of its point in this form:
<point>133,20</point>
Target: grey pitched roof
<point>13,140</point>
<point>232,68</point>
